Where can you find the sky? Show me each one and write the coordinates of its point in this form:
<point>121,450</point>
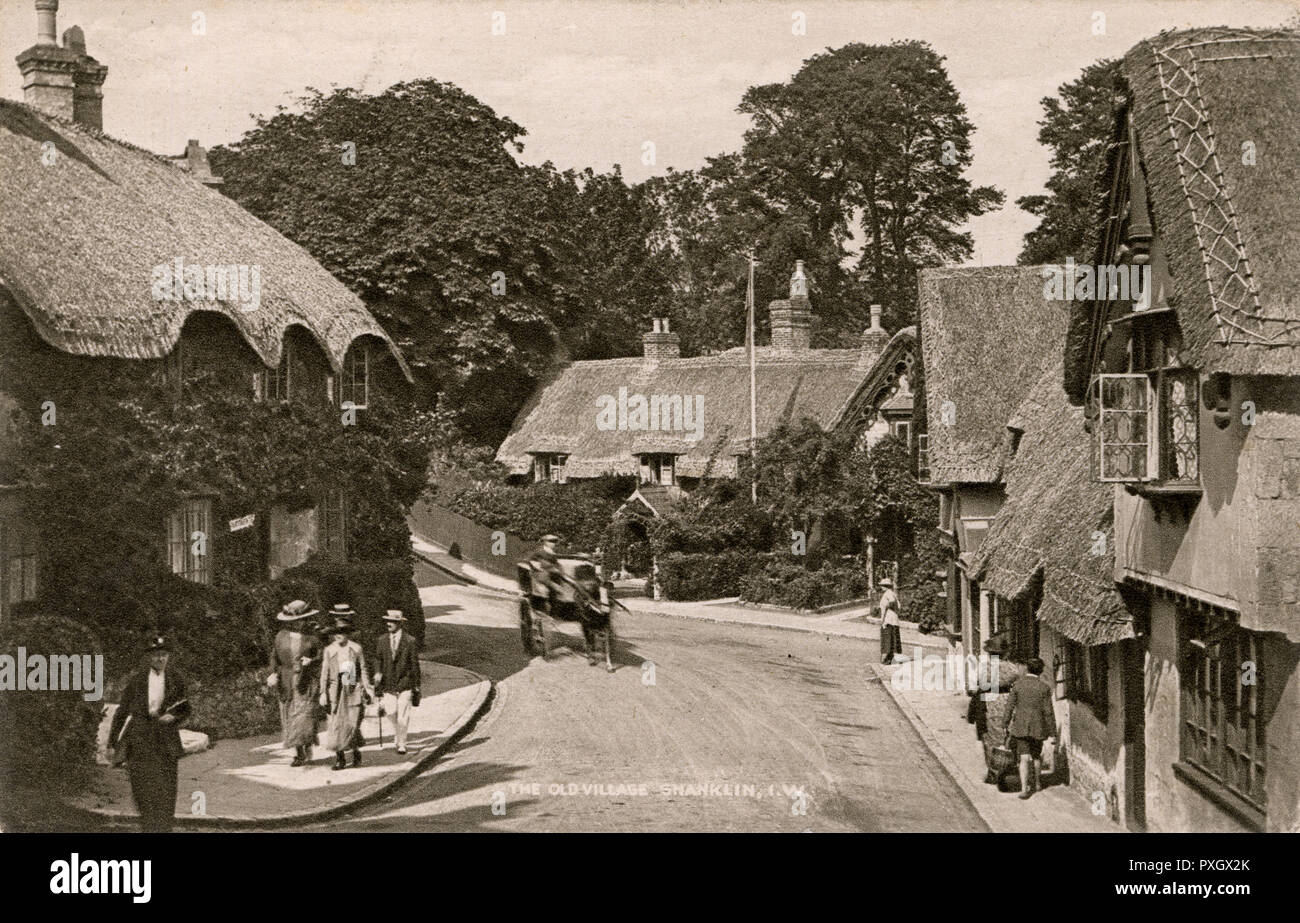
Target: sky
<point>593,81</point>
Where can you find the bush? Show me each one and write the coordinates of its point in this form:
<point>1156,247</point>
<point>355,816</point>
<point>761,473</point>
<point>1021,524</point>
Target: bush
<point>47,738</point>
<point>233,707</point>
<point>704,576</point>
<point>787,583</point>
<point>454,550</point>
<point>371,587</point>
<point>578,513</point>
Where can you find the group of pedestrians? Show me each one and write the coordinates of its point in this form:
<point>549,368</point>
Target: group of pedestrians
<point>1029,720</point>
<point>317,670</point>
<point>321,668</point>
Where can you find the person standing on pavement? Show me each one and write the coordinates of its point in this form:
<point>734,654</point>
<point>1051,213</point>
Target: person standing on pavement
<point>293,652</point>
<point>146,735</point>
<point>1031,721</point>
<point>344,688</point>
<point>397,678</point>
<point>891,640</point>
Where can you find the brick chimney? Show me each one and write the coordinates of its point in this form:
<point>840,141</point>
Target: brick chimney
<point>874,339</point>
<point>63,81</point>
<point>661,343</point>
<point>792,318</point>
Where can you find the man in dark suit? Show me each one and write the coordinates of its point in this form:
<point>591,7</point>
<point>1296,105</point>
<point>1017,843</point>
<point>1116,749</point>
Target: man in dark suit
<point>146,734</point>
<point>1031,721</point>
<point>397,677</point>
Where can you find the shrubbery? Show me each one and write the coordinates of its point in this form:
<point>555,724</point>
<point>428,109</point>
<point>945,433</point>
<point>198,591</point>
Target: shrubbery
<point>47,738</point>
<point>234,706</point>
<point>703,576</point>
<point>785,583</point>
<point>578,512</point>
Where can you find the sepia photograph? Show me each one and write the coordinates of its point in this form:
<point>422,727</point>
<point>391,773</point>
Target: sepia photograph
<point>708,416</point>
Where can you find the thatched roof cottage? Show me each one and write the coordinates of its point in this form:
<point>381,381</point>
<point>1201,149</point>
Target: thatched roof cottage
<point>1191,395</point>
<point>111,254</point>
<point>674,420</point>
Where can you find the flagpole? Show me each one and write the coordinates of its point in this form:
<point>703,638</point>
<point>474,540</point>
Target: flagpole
<point>753,391</point>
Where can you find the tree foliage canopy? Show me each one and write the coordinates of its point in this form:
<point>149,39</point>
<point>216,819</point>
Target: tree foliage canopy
<point>1075,126</point>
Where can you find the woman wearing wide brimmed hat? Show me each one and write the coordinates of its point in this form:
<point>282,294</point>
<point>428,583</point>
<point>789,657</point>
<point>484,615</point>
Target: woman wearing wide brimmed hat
<point>891,642</point>
<point>344,688</point>
<point>295,656</point>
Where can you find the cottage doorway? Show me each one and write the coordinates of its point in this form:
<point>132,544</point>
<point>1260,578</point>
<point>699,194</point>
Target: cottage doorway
<point>1135,736</point>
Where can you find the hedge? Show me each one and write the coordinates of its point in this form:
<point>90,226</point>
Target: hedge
<point>787,583</point>
<point>47,738</point>
<point>686,577</point>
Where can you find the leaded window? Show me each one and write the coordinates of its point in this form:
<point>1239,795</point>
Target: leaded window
<point>1123,440</point>
<point>1222,687</point>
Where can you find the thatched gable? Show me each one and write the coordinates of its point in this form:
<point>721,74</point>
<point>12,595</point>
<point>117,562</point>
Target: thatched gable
<point>1056,523</point>
<point>984,332</point>
<point>85,219</point>
<point>791,384</point>
<point>1216,114</point>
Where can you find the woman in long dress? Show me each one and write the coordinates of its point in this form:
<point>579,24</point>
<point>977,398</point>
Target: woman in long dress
<point>344,689</point>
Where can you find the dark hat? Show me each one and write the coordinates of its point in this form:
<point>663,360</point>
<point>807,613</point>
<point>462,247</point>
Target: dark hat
<point>394,615</point>
<point>295,611</point>
<point>885,581</point>
<point>158,643</point>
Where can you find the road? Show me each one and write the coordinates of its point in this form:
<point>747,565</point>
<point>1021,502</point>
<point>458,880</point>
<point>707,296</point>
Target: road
<point>702,727</point>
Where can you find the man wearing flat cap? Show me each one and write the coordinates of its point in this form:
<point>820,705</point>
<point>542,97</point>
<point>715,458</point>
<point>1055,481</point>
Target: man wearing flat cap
<point>397,677</point>
<point>146,734</point>
<point>295,656</point>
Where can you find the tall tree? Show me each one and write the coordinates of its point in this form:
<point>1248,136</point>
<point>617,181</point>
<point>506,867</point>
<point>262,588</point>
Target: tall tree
<point>855,165</point>
<point>1076,125</point>
<point>483,270</point>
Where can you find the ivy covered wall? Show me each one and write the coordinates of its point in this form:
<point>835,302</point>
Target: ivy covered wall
<point>104,449</point>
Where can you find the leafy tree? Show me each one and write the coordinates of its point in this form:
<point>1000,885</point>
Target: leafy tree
<point>864,150</point>
<point>1076,126</point>
<point>484,271</point>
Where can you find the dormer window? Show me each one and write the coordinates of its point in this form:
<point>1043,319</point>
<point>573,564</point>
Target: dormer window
<point>550,467</point>
<point>658,468</point>
<point>1147,425</point>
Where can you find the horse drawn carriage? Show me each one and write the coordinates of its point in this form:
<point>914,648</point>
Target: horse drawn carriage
<point>576,594</point>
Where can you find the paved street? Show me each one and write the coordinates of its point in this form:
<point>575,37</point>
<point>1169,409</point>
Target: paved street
<point>741,729</point>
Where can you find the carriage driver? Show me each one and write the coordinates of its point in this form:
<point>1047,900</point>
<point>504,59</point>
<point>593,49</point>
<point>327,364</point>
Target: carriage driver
<point>546,567</point>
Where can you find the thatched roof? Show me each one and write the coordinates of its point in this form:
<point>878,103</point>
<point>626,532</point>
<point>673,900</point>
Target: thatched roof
<point>1231,229</point>
<point>984,332</point>
<point>791,384</point>
<point>80,237</point>
<point>1047,527</point>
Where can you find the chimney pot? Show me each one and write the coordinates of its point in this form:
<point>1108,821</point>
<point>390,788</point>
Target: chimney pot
<point>875,317</point>
<point>46,30</point>
<point>659,343</point>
